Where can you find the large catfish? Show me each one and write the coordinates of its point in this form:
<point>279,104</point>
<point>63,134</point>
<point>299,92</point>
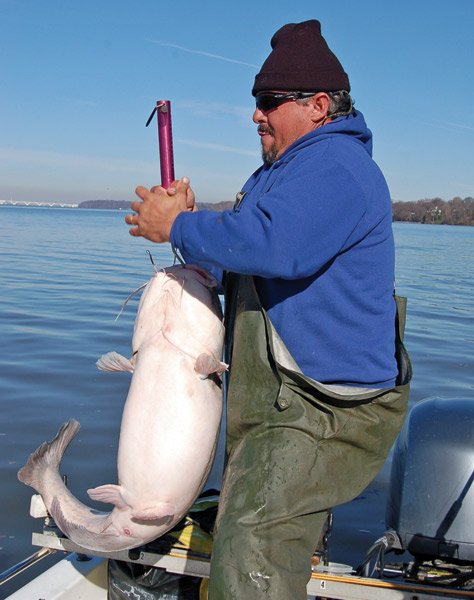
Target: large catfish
<point>170,421</point>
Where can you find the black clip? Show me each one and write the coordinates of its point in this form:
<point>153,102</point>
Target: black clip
<point>161,105</point>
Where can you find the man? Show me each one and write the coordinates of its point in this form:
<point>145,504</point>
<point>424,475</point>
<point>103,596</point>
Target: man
<point>314,401</point>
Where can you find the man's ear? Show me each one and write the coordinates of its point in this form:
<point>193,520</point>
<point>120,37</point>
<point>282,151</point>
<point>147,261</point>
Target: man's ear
<point>319,103</point>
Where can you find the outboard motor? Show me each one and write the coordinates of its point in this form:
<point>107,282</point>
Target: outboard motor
<point>431,493</point>
<point>430,506</point>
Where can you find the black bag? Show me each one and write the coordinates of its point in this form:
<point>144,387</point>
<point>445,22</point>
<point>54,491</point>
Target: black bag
<point>133,580</point>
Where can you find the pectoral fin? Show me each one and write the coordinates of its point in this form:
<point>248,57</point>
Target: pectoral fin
<point>160,510</point>
<point>181,338</point>
<point>109,493</point>
<point>207,364</point>
<point>113,361</point>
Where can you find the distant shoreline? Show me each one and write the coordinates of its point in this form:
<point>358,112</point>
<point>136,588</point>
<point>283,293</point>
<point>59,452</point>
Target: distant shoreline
<point>108,205</point>
<point>435,211</point>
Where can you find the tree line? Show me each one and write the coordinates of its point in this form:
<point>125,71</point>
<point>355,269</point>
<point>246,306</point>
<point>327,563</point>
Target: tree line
<point>458,211</point>
<point>125,205</point>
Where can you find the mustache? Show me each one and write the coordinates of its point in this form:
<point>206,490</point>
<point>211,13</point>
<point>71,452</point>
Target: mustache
<point>265,129</point>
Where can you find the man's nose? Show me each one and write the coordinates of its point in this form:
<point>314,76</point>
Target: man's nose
<point>258,116</point>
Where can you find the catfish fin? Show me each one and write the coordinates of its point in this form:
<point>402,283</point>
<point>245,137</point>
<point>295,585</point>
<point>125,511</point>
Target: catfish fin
<point>113,361</point>
<point>108,493</point>
<point>207,364</point>
<point>48,456</point>
<point>160,510</point>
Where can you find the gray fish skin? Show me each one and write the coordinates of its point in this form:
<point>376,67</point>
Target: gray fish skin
<point>42,473</point>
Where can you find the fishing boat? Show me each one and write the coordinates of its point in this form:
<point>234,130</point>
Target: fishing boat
<point>429,518</point>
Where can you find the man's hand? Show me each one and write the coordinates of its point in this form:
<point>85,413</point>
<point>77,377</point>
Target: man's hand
<point>159,208</point>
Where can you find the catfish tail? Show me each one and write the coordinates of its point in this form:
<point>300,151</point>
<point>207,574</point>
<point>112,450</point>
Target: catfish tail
<point>48,455</point>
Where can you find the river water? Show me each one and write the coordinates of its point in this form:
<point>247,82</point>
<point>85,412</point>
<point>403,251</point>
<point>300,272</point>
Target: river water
<point>65,274</point>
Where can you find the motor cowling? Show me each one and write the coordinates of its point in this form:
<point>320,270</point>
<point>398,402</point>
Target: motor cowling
<point>431,493</point>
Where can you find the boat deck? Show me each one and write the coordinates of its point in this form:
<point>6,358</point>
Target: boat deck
<point>83,574</point>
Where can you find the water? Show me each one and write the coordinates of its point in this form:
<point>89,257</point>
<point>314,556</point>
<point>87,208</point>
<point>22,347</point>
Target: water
<point>65,274</point>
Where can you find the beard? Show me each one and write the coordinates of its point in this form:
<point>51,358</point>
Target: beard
<point>269,156</point>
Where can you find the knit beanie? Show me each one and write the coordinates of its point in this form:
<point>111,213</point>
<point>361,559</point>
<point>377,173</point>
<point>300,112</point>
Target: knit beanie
<point>301,60</point>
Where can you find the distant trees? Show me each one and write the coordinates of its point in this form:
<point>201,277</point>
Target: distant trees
<point>125,204</point>
<point>109,204</point>
<point>458,211</point>
<point>219,206</point>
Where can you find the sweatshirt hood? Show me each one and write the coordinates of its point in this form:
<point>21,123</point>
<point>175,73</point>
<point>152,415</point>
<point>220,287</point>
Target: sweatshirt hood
<point>352,125</point>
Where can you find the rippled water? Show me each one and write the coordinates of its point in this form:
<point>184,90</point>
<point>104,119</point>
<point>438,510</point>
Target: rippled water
<point>435,271</point>
<point>65,274</point>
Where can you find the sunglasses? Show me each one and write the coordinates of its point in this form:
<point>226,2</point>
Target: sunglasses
<point>266,101</point>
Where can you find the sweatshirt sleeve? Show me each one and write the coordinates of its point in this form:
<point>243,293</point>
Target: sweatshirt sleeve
<point>291,231</point>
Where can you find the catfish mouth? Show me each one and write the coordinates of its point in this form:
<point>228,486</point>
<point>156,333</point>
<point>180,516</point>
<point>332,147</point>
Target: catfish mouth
<point>204,276</point>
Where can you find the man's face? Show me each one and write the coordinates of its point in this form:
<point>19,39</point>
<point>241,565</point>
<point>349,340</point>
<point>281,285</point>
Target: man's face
<point>281,126</point>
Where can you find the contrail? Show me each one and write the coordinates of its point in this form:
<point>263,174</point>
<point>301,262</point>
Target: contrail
<point>218,147</point>
<point>202,53</point>
<point>54,159</point>
<point>443,124</point>
<point>207,109</point>
<point>450,124</point>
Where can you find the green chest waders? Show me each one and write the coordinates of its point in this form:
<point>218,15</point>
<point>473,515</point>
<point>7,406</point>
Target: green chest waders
<point>295,449</point>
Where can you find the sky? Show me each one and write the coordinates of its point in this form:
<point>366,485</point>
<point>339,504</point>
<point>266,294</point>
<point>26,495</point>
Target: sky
<point>79,78</point>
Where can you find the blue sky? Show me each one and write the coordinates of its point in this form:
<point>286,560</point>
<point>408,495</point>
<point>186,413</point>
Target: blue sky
<point>78,79</point>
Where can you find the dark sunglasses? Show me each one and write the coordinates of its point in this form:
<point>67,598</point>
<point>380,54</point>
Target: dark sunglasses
<point>266,101</point>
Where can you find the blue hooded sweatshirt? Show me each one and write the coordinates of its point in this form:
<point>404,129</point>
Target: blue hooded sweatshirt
<point>315,231</point>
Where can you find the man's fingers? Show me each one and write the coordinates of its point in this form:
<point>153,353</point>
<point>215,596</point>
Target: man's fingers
<point>141,191</point>
<point>156,189</point>
<point>190,200</point>
<point>132,219</point>
<point>155,214</point>
<point>182,184</point>
<point>134,231</point>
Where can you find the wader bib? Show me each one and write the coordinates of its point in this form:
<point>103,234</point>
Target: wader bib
<point>295,449</point>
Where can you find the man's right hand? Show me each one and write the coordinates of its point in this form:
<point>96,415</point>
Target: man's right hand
<point>159,208</point>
